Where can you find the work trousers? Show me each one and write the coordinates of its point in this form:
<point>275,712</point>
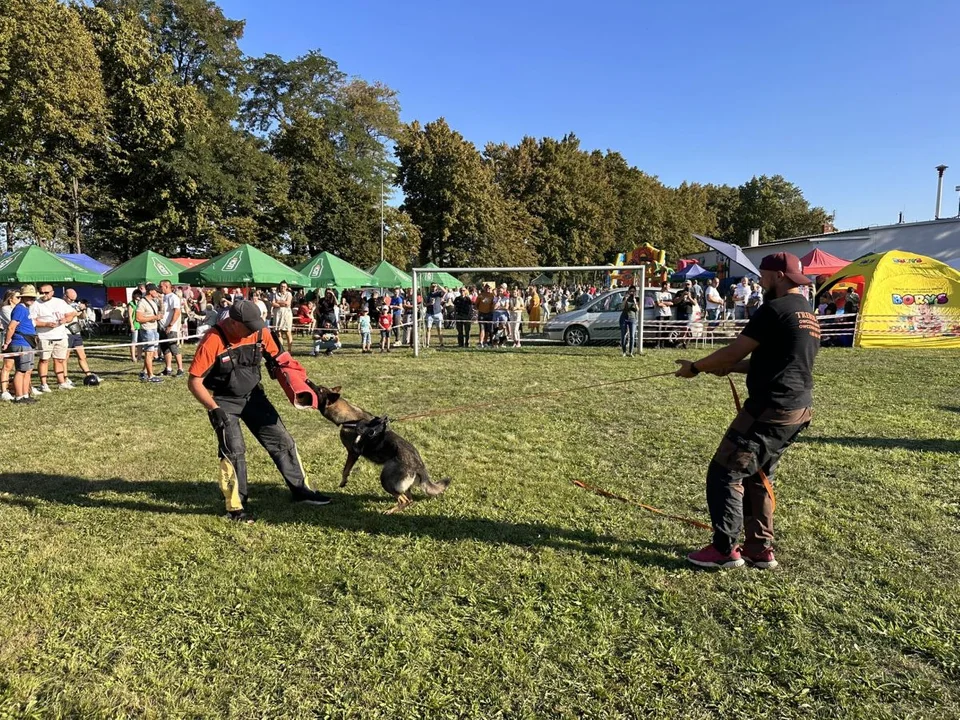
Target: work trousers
<point>628,335</point>
<point>736,495</point>
<point>262,420</point>
<point>463,333</point>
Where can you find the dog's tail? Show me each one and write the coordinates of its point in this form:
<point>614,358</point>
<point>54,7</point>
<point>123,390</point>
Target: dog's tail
<point>431,488</point>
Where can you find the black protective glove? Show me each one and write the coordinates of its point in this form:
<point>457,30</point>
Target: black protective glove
<point>218,418</point>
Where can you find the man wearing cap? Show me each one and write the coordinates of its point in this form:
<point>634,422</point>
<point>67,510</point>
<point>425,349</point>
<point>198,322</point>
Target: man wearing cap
<point>225,378</point>
<point>148,315</point>
<point>21,338</point>
<point>782,339</point>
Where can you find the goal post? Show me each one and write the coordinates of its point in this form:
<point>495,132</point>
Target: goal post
<point>417,272</point>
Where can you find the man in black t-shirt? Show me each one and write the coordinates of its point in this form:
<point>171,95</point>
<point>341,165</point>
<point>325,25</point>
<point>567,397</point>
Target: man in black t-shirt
<point>782,339</point>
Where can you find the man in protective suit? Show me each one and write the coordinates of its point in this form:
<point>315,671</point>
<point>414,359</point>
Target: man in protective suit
<point>225,378</point>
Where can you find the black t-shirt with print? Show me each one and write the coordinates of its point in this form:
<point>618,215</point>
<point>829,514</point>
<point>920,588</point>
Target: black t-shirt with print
<point>781,368</point>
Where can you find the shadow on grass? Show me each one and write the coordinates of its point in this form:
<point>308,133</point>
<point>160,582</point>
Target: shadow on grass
<point>914,444</point>
<point>348,512</point>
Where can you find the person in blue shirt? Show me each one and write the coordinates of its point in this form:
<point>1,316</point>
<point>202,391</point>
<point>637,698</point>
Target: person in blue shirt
<point>396,306</point>
<point>21,337</point>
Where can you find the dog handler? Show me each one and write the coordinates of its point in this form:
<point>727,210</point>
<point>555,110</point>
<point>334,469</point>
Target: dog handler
<point>225,378</point>
<point>782,339</point>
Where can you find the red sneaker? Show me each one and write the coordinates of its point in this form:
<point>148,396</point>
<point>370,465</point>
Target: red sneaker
<point>710,557</point>
<point>763,560</point>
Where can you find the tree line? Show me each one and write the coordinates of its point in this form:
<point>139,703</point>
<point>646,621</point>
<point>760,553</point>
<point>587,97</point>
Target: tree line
<point>135,124</point>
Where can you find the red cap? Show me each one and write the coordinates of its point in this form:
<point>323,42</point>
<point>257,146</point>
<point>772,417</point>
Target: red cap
<point>788,264</point>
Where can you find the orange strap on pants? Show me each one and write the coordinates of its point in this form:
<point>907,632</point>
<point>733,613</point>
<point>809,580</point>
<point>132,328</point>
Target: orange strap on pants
<point>763,476</point>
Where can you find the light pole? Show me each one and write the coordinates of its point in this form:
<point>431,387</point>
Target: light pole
<point>381,221</point>
<point>957,188</point>
<point>940,170</point>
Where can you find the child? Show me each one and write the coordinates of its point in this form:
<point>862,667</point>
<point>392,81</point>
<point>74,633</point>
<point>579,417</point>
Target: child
<point>363,326</point>
<point>385,322</point>
<point>325,338</point>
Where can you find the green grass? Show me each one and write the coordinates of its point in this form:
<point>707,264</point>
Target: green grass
<point>515,595</point>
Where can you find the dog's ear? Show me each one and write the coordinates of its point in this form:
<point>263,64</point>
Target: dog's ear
<point>333,394</point>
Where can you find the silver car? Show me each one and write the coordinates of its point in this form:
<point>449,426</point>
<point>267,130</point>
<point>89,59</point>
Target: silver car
<point>598,320</point>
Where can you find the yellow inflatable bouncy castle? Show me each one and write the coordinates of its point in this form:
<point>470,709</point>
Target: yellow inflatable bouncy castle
<point>906,300</point>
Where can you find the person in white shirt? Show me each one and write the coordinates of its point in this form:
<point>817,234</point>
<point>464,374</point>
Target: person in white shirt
<point>75,336</point>
<point>169,328</point>
<point>713,299</point>
<point>741,293</point>
<point>50,316</point>
<point>283,316</point>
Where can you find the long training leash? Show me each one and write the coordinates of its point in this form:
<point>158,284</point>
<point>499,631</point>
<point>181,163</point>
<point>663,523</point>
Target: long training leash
<point>679,518</point>
<point>521,398</point>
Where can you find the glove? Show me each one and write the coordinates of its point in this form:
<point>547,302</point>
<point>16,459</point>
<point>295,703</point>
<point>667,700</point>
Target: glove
<point>218,418</point>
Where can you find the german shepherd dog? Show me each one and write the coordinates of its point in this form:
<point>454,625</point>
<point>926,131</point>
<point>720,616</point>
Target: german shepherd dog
<point>364,435</point>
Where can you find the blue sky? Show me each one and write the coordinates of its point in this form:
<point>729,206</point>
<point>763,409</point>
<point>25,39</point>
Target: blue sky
<point>855,101</point>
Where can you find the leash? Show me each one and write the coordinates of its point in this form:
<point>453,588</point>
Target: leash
<point>531,396</point>
<point>637,503</point>
<point>763,476</point>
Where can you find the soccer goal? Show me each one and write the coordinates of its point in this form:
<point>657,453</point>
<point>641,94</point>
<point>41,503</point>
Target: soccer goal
<point>498,321</point>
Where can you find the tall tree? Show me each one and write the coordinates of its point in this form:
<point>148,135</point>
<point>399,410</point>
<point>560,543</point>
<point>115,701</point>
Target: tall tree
<point>52,112</point>
<point>777,208</point>
<point>451,194</point>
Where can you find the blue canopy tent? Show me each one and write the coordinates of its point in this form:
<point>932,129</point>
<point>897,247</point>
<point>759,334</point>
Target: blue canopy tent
<point>733,252</point>
<point>97,296</point>
<point>692,272</point>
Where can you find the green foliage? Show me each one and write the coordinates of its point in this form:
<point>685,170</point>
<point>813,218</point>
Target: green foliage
<point>52,112</point>
<point>451,194</point>
<point>777,207</point>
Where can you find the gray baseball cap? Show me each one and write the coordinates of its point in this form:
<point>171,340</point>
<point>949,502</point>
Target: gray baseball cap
<point>247,313</point>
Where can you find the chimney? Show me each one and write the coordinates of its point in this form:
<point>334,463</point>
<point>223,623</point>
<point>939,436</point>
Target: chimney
<point>754,239</point>
<point>940,169</point>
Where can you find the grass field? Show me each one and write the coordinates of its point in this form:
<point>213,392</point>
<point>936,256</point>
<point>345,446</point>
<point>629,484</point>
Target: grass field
<point>514,595</point>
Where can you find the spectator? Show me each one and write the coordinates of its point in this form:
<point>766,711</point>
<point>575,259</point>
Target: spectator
<point>408,303</point>
<point>396,308</point>
<point>283,316</point>
<point>852,304</point>
<point>50,316</point>
<point>516,315</point>
<point>374,303</point>
<point>463,313</point>
<point>134,325</point>
<point>305,315</point>
<point>148,315</point>
<point>533,310</point>
<point>485,303</point>
<point>714,303</point>
<point>501,311</point>
<point>326,338</point>
<point>664,302</point>
<point>21,338</point>
<point>168,328</point>
<point>258,301</point>
<point>385,322</point>
<point>629,316</point>
<point>755,300</point>
<point>363,326</point>
<point>75,337</point>
<point>741,293</point>
<point>11,298</point>
<point>435,313</point>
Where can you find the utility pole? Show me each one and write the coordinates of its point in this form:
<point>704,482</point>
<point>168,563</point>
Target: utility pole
<point>957,188</point>
<point>381,221</point>
<point>76,215</point>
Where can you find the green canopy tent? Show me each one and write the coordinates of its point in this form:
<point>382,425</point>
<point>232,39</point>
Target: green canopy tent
<point>388,276</point>
<point>33,264</point>
<point>326,270</point>
<point>147,267</point>
<point>441,278</point>
<point>243,266</point>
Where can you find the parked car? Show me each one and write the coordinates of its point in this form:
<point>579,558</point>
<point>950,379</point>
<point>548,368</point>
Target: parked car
<point>598,320</point>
